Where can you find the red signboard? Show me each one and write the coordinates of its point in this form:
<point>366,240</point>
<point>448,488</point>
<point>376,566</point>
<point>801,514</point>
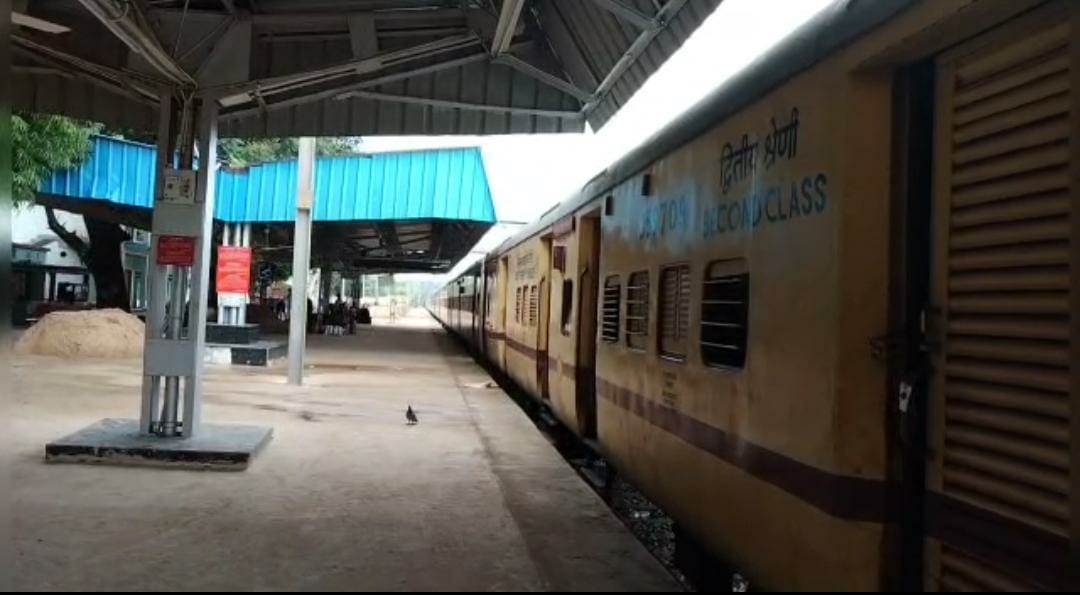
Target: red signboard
<point>176,250</point>
<point>233,269</point>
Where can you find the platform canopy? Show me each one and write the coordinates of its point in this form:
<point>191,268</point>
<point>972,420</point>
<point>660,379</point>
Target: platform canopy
<point>347,67</point>
<point>403,211</point>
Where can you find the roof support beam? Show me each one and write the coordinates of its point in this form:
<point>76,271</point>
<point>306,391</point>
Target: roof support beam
<point>24,20</point>
<point>508,22</point>
<point>377,265</point>
<point>543,76</point>
<point>234,95</point>
<point>642,42</point>
<point>628,14</point>
<point>230,5</point>
<point>129,25</point>
<point>214,33</point>
<point>129,85</point>
<point>479,107</point>
<point>344,91</point>
<point>336,20</point>
<point>416,240</point>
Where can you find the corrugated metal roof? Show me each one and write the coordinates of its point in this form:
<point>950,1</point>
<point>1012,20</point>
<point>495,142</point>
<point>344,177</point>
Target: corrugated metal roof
<point>361,112</point>
<point>602,40</point>
<point>386,67</point>
<point>438,184</point>
<point>118,171</point>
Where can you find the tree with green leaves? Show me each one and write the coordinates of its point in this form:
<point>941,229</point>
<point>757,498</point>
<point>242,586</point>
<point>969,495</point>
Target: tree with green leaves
<point>42,144</point>
<point>238,153</point>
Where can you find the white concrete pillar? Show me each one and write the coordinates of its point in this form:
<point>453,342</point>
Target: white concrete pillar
<point>245,241</point>
<point>172,358</point>
<point>305,198</point>
<point>200,273</point>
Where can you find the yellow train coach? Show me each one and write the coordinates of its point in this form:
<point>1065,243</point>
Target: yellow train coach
<point>829,319</point>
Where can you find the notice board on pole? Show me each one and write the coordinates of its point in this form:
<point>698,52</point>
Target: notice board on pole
<point>176,250</point>
<point>234,269</point>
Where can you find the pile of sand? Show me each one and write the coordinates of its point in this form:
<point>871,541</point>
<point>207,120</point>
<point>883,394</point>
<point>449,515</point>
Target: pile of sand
<point>93,333</point>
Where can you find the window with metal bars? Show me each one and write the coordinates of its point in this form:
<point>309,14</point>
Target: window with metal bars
<point>489,320</point>
<point>609,311</point>
<point>725,308</point>
<point>567,306</point>
<point>517,305</point>
<point>674,311</point>
<point>637,311</point>
<point>534,306</point>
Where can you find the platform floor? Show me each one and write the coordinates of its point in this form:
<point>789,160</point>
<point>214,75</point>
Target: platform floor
<point>346,497</point>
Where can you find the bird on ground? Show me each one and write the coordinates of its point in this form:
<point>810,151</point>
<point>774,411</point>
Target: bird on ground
<point>410,417</point>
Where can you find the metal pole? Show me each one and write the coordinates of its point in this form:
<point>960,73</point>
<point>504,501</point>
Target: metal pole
<point>230,240</point>
<point>200,273</point>
<point>305,195</point>
<point>156,289</point>
<point>170,412</point>
<point>171,409</point>
<point>222,309</point>
<point>245,241</point>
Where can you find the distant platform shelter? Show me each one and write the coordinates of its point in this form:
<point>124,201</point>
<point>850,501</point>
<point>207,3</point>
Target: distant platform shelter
<point>416,211</point>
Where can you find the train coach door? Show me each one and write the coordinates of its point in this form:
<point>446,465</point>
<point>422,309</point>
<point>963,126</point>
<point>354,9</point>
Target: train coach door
<point>588,311</point>
<point>542,331</point>
<point>505,294</point>
<point>1002,326</point>
<point>474,310</point>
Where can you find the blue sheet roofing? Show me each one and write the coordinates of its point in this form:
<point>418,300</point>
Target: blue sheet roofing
<point>435,184</point>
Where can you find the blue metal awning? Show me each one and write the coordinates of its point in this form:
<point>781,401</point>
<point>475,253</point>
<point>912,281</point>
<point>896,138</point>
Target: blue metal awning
<point>438,184</point>
<point>442,184</point>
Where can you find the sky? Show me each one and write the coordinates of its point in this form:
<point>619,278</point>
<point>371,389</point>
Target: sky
<point>529,174</point>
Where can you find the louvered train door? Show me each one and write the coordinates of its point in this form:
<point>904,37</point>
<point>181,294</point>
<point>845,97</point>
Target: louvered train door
<point>1001,501</point>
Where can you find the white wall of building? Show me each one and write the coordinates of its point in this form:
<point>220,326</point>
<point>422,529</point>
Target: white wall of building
<point>29,225</point>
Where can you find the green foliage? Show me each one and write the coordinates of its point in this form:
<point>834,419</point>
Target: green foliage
<point>239,153</point>
<point>42,144</point>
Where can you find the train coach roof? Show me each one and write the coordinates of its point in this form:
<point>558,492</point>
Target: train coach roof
<point>834,27</point>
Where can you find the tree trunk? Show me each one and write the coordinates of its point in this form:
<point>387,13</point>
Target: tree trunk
<point>106,263</point>
<point>103,255</point>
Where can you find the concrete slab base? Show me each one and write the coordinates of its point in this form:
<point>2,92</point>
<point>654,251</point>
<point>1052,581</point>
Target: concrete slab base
<point>240,334</point>
<point>259,353</point>
<point>118,442</point>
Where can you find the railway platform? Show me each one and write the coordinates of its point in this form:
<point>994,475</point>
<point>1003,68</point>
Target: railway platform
<point>347,496</point>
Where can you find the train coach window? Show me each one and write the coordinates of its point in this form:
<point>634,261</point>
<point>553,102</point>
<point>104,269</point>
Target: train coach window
<point>637,311</point>
<point>609,323</point>
<point>567,305</point>
<point>725,307</point>
<point>489,289</point>
<point>517,305</point>
<point>534,306</point>
<point>674,311</point>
